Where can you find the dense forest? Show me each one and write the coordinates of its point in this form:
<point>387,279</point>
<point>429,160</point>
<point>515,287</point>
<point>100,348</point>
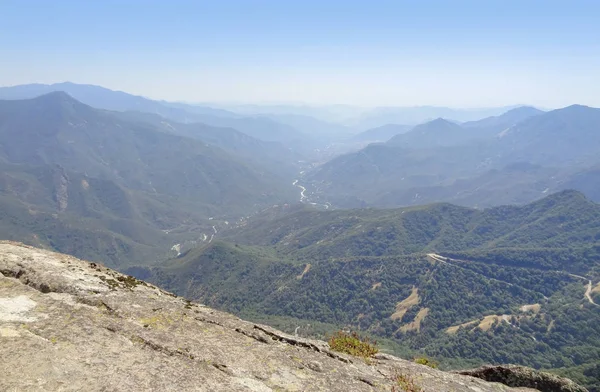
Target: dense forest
<point>504,285</point>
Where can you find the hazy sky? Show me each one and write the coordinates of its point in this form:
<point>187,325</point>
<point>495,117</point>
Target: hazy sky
<point>453,53</point>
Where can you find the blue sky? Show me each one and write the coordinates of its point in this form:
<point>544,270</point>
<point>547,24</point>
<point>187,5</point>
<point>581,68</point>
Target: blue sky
<point>454,53</point>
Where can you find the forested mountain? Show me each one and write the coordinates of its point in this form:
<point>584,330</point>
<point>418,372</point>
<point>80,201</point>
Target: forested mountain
<point>92,183</point>
<point>499,123</point>
<point>444,161</point>
<point>507,284</point>
<point>262,128</point>
<point>516,183</point>
<point>358,179</point>
<point>430,228</point>
<point>567,136</point>
<point>95,218</point>
<point>57,129</point>
<point>441,132</point>
<point>272,155</point>
<point>432,134</point>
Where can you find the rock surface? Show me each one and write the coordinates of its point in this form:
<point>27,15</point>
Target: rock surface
<point>520,376</point>
<point>70,325</point>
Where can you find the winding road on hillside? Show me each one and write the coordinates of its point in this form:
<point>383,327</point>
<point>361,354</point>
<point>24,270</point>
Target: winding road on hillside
<point>444,260</point>
<point>588,291</point>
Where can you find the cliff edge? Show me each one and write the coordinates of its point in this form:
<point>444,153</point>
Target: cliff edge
<point>70,325</point>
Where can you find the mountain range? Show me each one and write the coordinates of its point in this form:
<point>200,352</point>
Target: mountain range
<point>257,213</point>
<point>129,179</point>
<point>56,129</point>
<point>260,127</point>
<point>442,161</point>
<point>420,114</point>
<point>441,132</point>
<point>103,98</point>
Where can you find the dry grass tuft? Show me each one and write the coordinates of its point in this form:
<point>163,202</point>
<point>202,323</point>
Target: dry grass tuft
<point>353,344</point>
<point>405,383</point>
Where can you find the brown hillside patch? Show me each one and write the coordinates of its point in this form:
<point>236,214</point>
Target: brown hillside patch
<point>415,325</point>
<point>488,321</point>
<point>596,289</point>
<point>306,269</point>
<point>409,302</point>
<point>535,308</point>
<point>453,329</point>
<point>376,286</point>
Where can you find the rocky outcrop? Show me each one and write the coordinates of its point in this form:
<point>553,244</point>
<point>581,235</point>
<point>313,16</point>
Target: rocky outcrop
<point>70,325</point>
<point>520,376</point>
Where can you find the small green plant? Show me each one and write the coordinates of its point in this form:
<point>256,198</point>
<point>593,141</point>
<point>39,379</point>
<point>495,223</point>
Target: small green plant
<point>426,362</point>
<point>130,282</point>
<point>353,344</point>
<point>405,383</point>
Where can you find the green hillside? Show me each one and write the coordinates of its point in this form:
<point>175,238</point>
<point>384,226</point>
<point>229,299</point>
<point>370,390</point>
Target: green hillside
<point>270,155</point>
<point>503,285</point>
<point>92,218</point>
<point>116,189</point>
<point>56,129</point>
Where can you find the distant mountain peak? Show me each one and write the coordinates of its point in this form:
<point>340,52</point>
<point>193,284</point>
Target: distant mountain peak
<point>68,83</point>
<point>576,108</point>
<point>439,124</point>
<point>580,117</point>
<point>60,102</point>
<point>573,111</point>
<point>56,96</point>
<point>440,120</point>
<point>436,132</point>
<point>576,105</point>
<point>523,110</point>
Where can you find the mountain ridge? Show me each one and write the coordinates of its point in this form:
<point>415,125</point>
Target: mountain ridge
<point>438,132</point>
<point>89,182</point>
<point>100,97</point>
<point>82,138</point>
<point>103,98</point>
<point>433,164</point>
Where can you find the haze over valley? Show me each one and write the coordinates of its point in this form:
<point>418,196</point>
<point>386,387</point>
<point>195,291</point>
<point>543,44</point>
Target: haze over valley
<point>435,198</point>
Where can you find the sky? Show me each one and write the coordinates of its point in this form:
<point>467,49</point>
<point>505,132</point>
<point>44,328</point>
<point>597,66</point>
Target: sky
<point>456,53</point>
